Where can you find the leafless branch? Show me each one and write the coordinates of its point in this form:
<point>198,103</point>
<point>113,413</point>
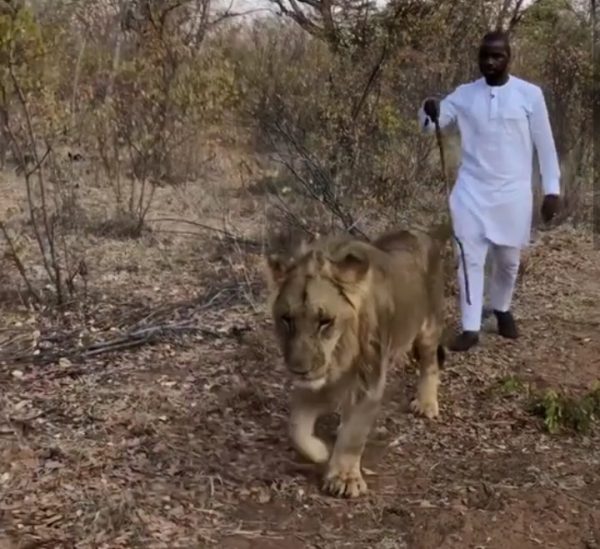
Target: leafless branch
<point>325,31</point>
<point>18,263</point>
<point>54,273</point>
<point>319,184</point>
<point>516,16</point>
<point>225,234</point>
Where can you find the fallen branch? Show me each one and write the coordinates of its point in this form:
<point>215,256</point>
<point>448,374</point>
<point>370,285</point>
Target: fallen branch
<point>226,234</point>
<point>143,336</point>
<point>129,340</point>
<point>148,328</point>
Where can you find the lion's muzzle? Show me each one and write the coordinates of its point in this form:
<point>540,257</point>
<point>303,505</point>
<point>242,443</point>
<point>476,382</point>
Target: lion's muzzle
<point>300,366</point>
<point>303,362</point>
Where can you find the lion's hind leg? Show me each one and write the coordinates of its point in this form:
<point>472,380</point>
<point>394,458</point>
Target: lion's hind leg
<point>430,355</point>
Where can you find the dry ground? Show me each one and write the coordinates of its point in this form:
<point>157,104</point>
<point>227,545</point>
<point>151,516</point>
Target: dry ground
<point>182,444</point>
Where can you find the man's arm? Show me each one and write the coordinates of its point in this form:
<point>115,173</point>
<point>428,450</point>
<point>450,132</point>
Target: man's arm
<point>446,118</point>
<point>543,140</point>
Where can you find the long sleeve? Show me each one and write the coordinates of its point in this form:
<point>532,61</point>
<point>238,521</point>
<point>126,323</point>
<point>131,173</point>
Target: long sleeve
<point>447,117</point>
<point>543,140</point>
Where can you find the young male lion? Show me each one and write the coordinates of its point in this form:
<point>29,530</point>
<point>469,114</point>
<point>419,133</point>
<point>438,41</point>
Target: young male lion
<point>343,310</point>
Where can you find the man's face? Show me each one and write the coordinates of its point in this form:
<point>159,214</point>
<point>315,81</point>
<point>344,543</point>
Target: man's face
<point>493,59</point>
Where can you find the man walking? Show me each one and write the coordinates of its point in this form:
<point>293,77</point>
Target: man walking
<point>501,118</point>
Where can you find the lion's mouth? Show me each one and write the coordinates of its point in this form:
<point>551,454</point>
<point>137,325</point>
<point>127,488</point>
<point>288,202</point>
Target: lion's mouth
<point>313,384</point>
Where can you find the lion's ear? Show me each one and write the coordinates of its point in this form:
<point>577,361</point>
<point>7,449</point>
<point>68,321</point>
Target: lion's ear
<point>351,268</point>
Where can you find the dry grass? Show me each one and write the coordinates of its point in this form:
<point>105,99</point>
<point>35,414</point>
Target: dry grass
<point>181,441</point>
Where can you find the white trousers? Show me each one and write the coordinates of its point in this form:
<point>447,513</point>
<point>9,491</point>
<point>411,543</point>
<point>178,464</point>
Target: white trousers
<point>505,267</point>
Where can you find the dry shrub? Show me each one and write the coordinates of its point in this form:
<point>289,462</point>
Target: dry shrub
<point>554,50</point>
<point>337,112</point>
<point>329,98</point>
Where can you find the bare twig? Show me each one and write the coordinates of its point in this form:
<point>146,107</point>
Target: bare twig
<point>18,263</point>
<point>30,199</point>
<point>227,234</point>
<point>54,273</point>
<point>130,340</point>
<point>320,187</point>
<point>140,332</point>
<point>76,80</point>
<point>39,164</point>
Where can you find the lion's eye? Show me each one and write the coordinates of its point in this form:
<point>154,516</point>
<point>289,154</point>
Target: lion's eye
<point>325,322</point>
<point>287,321</point>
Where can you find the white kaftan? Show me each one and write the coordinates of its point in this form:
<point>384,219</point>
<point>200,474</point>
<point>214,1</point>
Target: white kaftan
<point>499,128</point>
<point>492,201</point>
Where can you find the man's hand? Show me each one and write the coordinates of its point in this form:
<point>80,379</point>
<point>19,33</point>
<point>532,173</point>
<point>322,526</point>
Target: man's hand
<point>550,207</point>
<point>432,108</point>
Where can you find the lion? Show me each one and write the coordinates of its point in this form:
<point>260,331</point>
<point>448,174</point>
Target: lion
<point>344,310</point>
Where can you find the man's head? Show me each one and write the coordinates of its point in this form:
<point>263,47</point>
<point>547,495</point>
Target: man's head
<point>494,57</point>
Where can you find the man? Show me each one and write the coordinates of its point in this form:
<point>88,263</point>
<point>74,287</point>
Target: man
<point>501,118</point>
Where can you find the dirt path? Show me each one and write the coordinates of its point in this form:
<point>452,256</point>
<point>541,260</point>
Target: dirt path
<point>184,444</point>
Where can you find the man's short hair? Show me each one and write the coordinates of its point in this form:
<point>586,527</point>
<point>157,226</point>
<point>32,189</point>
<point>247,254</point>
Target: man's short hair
<point>497,36</point>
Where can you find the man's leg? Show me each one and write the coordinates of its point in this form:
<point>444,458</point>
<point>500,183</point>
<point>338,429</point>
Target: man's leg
<point>505,268</point>
<point>475,251</point>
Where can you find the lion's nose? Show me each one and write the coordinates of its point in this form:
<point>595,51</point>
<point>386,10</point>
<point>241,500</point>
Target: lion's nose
<point>298,368</point>
<point>298,364</point>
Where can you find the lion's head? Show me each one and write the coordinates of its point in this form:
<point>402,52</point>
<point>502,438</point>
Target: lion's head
<point>317,301</point>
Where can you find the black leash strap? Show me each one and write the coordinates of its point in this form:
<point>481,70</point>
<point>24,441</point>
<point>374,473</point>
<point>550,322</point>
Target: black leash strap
<point>438,135</point>
<point>464,264</point>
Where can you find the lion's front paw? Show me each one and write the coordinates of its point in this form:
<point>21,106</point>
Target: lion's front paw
<point>313,449</point>
<point>345,483</point>
<point>428,408</point>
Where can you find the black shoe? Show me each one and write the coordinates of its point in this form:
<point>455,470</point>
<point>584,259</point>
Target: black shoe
<point>464,341</point>
<point>507,327</point>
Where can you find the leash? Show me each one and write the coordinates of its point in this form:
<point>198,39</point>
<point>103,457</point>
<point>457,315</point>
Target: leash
<point>440,142</point>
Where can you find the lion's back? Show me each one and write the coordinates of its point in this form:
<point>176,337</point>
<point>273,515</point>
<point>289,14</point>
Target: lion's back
<point>415,269</point>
